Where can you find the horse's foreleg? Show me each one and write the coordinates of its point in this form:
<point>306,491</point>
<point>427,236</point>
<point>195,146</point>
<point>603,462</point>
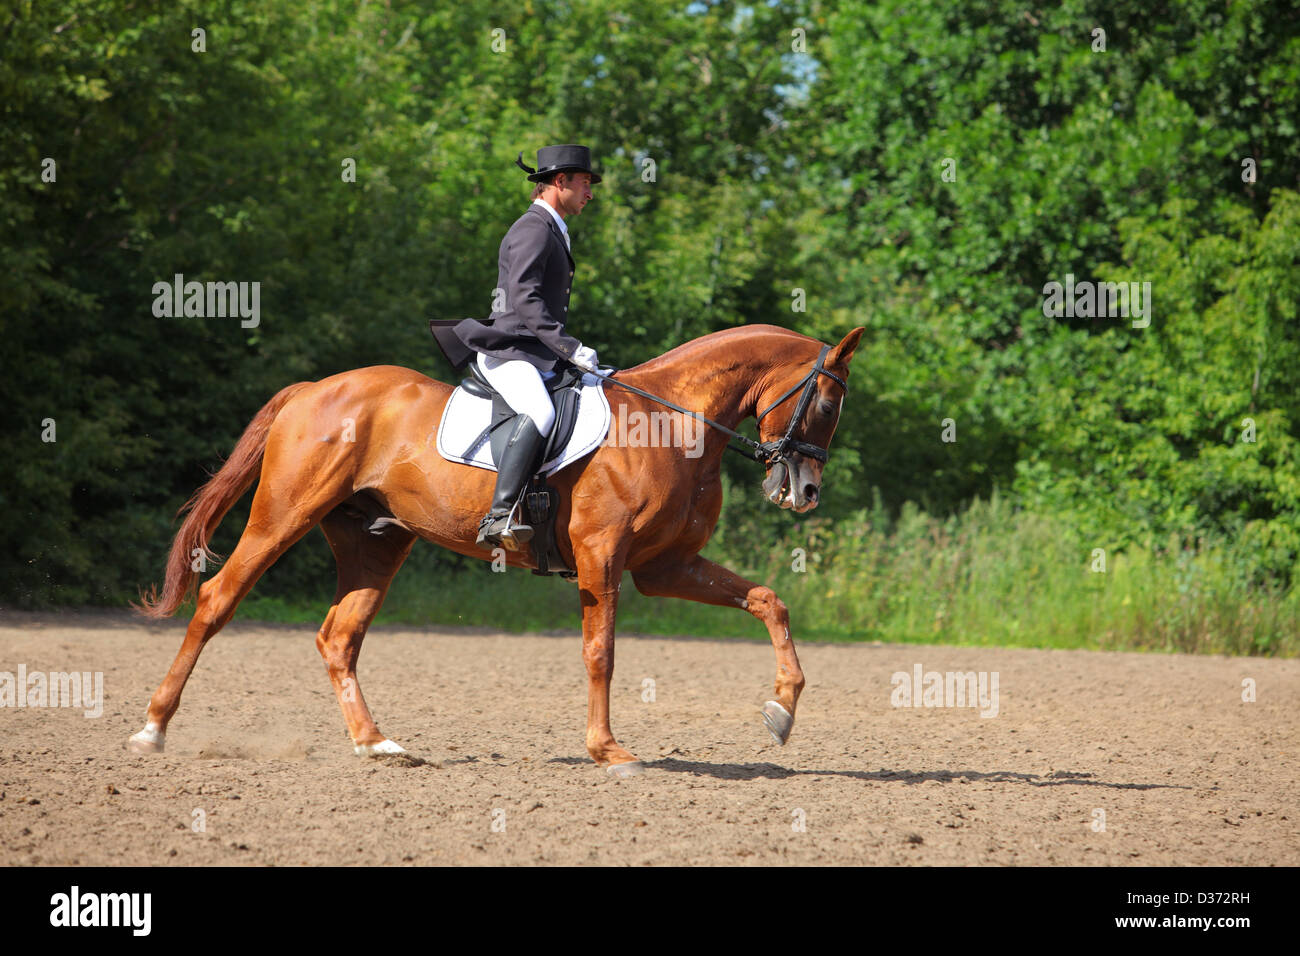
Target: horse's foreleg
<point>598,582</point>
<point>366,566</point>
<point>699,579</point>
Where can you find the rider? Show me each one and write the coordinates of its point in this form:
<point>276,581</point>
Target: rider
<point>524,341</point>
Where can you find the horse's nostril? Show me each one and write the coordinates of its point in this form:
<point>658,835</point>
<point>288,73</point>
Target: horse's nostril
<point>810,492</point>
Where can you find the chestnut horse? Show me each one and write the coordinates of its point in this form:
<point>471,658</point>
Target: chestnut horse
<point>360,445</point>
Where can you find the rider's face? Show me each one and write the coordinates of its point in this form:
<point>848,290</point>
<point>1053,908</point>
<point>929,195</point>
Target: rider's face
<point>573,192</point>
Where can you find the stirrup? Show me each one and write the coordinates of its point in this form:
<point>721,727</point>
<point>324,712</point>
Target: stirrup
<point>497,531</point>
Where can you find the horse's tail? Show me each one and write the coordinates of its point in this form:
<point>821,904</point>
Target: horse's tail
<point>209,505</point>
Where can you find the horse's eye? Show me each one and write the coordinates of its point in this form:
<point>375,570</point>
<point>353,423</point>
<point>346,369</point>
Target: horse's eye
<point>828,408</point>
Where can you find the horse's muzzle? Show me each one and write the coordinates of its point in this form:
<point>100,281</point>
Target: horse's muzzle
<point>791,485</point>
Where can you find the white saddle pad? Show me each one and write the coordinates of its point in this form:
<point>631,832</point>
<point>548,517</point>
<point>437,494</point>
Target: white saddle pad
<point>467,416</point>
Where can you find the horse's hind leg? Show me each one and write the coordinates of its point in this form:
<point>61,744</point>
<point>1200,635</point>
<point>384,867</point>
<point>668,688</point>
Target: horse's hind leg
<point>366,565</point>
<point>272,529</point>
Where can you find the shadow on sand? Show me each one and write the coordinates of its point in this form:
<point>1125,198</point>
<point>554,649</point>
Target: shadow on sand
<point>771,771</point>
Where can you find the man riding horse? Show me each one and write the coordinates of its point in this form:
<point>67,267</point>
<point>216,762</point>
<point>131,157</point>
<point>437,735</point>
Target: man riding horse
<point>631,506</point>
<point>524,341</point>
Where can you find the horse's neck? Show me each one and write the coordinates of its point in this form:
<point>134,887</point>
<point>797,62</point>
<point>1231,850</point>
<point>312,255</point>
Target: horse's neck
<point>718,380</point>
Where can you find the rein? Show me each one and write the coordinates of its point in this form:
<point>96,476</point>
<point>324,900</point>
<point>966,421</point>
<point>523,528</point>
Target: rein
<point>768,452</point>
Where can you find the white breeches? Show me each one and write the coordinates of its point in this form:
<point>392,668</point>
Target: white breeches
<point>520,384</point>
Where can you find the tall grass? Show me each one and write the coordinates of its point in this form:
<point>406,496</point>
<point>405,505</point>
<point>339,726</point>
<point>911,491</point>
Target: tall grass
<point>996,575</point>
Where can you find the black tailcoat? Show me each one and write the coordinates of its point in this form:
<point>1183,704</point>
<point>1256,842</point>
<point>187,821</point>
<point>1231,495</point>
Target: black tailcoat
<point>535,270</point>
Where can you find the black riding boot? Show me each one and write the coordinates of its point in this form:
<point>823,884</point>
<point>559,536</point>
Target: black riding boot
<point>513,472</point>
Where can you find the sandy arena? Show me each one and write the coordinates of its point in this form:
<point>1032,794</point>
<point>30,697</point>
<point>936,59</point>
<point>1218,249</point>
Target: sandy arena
<point>1093,758</point>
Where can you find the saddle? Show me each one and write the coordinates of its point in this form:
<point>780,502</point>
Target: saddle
<point>540,499</point>
<point>563,389</point>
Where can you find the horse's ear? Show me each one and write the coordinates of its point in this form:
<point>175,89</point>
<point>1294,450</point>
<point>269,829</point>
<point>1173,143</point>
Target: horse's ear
<point>844,351</point>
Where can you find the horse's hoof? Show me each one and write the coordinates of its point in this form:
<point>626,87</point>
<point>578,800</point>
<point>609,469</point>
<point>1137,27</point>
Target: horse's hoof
<point>147,741</point>
<point>778,721</point>
<point>632,768</point>
<point>381,749</point>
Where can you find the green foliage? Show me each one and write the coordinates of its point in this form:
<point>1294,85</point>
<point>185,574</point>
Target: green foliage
<point>773,170</point>
<point>1117,165</point>
<point>226,165</point>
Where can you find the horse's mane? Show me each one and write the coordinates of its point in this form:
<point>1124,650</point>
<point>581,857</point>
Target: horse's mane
<point>715,340</point>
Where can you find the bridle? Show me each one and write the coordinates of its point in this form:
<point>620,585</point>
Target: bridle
<point>771,452</point>
<point>768,452</point>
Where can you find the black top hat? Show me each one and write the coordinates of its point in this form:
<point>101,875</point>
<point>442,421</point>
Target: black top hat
<point>558,159</point>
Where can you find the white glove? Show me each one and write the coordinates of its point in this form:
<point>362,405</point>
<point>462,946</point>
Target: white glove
<point>585,359</point>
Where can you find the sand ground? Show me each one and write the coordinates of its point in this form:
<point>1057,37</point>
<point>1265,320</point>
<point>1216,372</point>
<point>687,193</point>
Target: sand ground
<point>1092,758</point>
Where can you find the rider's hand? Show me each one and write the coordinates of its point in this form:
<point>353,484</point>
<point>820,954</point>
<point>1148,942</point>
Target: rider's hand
<point>585,359</point>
